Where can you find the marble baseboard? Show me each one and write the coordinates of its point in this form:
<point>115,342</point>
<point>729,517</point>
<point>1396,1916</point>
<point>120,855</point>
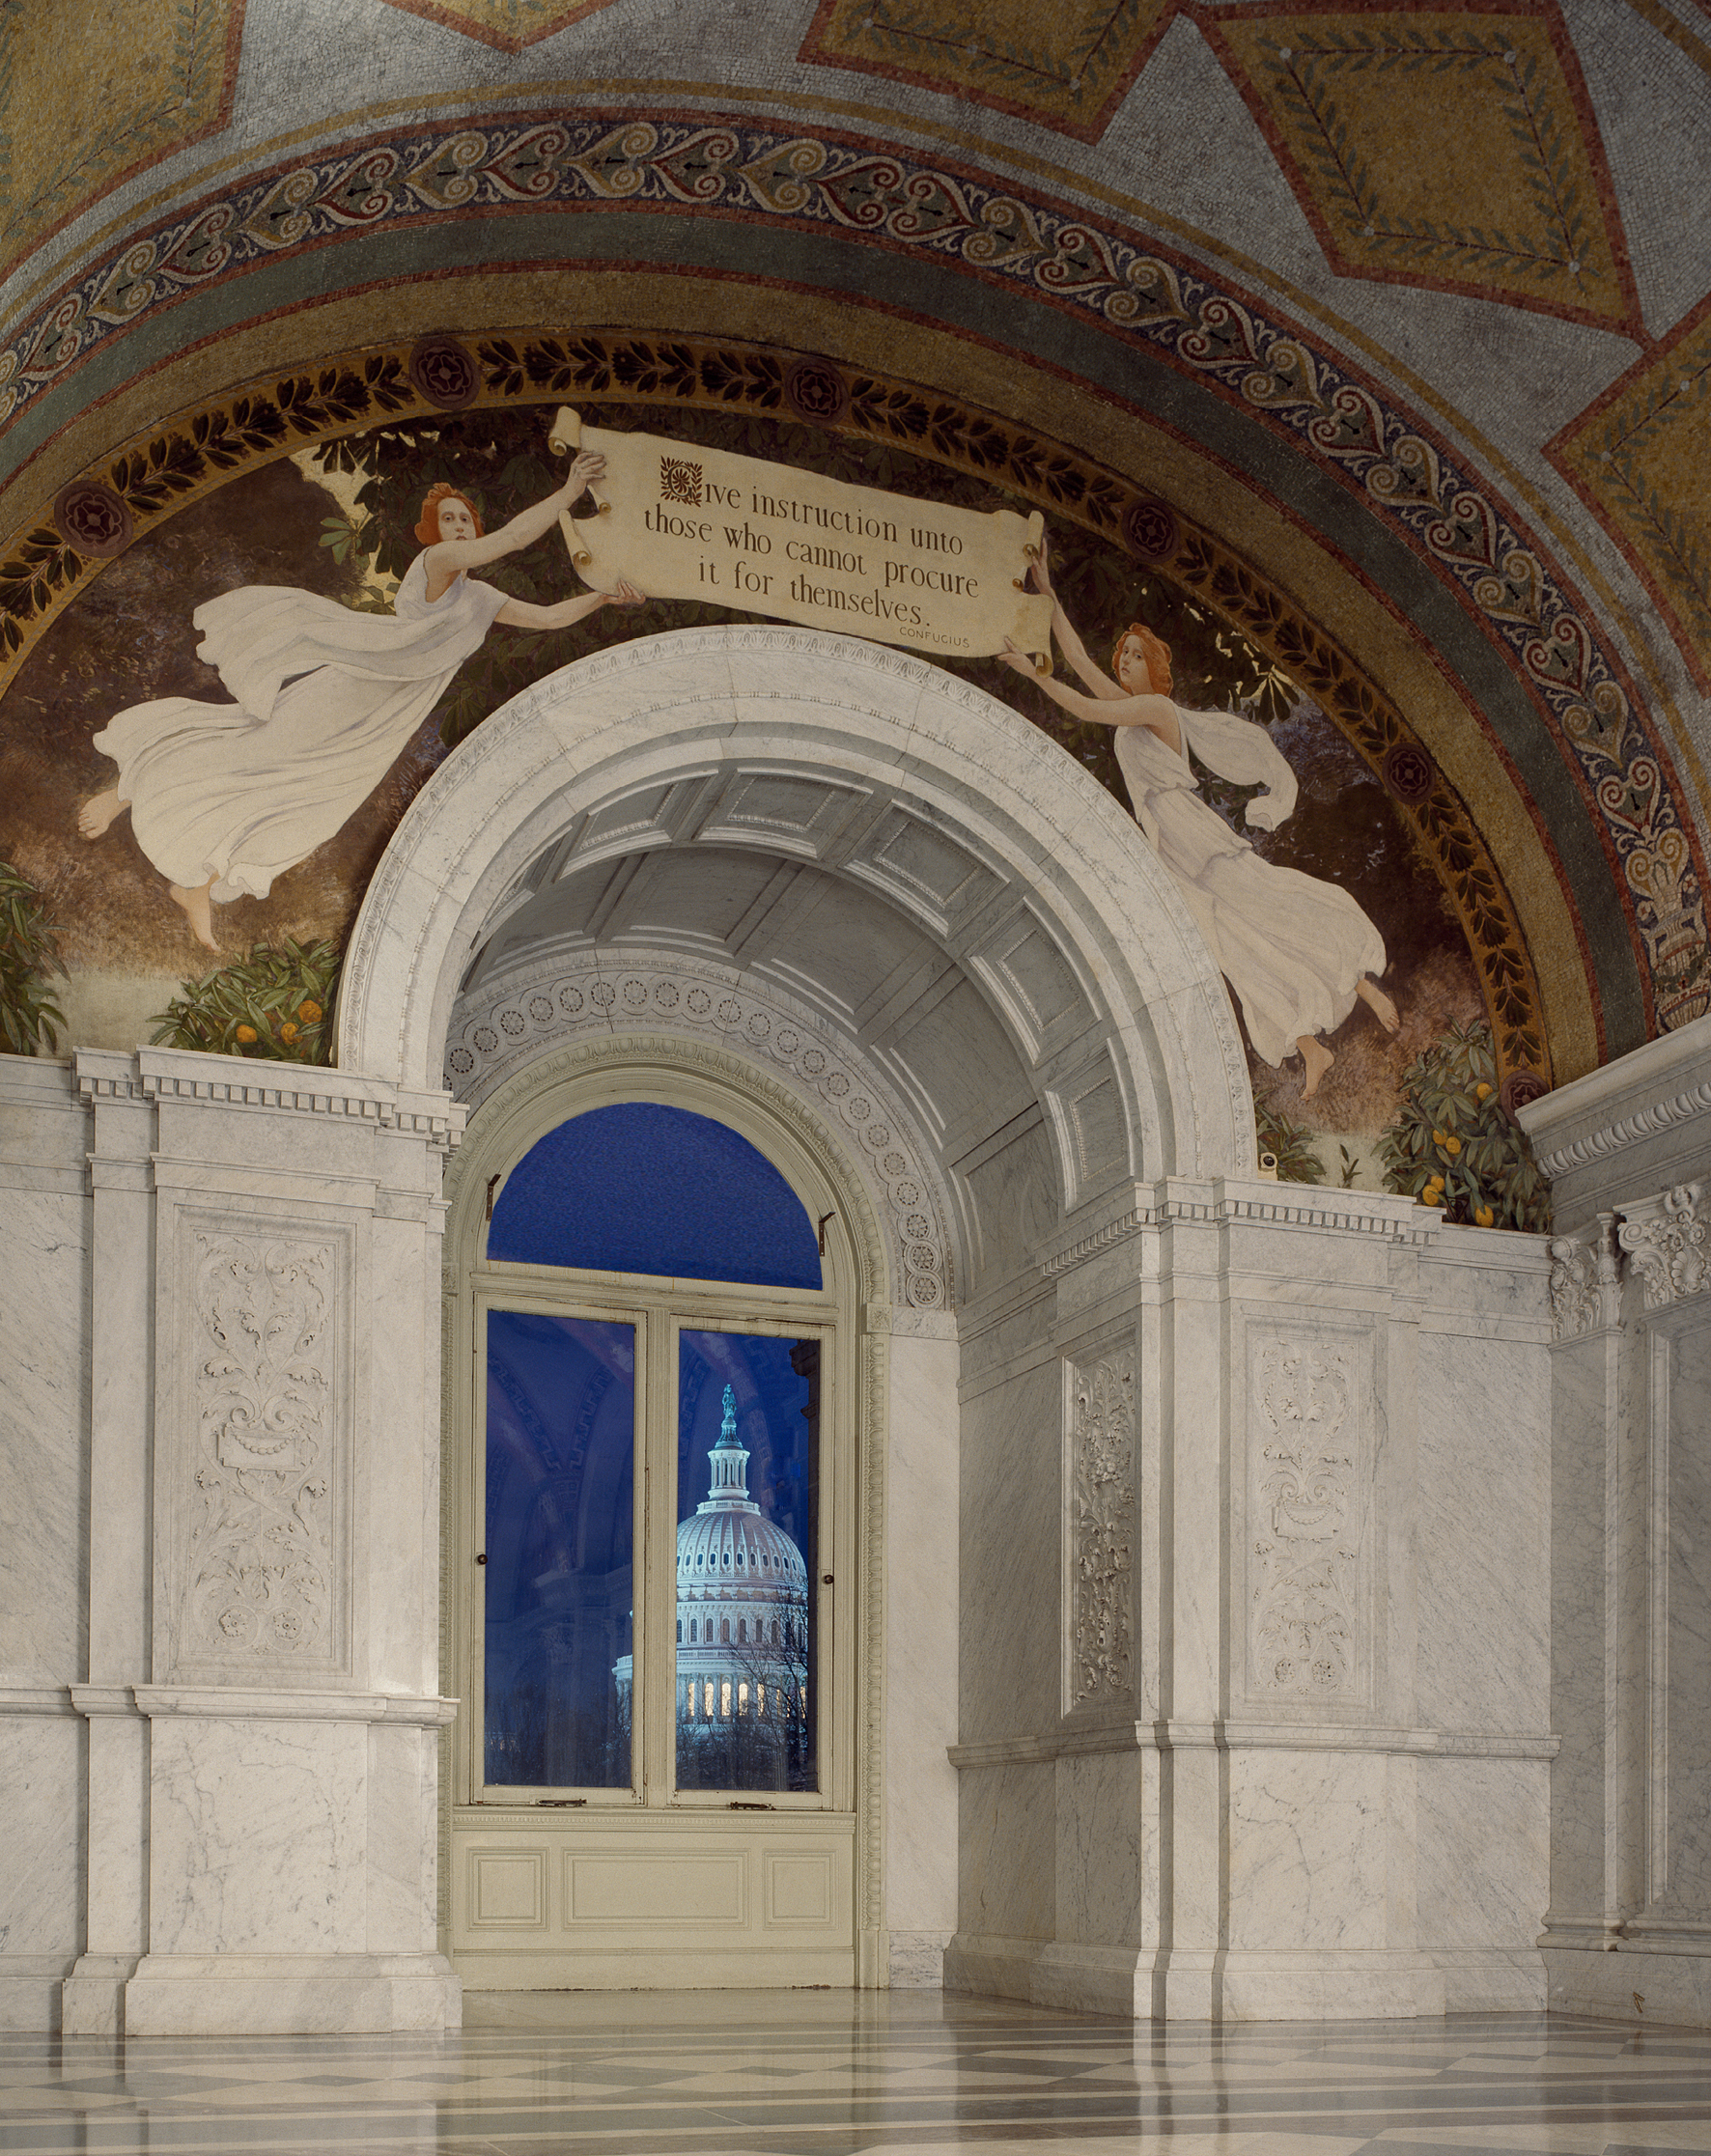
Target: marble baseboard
<point>1378,1985</point>
<point>917,1960</point>
<point>30,1990</point>
<point>1631,1981</point>
<point>92,1997</point>
<point>1491,1980</point>
<point>1160,1985</point>
<point>1048,1973</point>
<point>290,1995</point>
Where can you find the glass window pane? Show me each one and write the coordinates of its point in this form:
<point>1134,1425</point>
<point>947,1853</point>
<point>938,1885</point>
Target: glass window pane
<point>747,1598</point>
<point>560,1529</point>
<point>638,1188</point>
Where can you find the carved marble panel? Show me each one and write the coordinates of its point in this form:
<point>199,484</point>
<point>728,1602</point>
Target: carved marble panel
<point>1668,1242</point>
<point>257,1479</point>
<point>1584,1291</point>
<point>1307,1544</point>
<point>1101,1529</point>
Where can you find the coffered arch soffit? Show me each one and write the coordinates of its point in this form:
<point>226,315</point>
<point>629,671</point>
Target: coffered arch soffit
<point>1090,1008</point>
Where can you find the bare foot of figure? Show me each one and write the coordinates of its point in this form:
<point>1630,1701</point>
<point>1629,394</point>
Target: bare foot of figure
<point>197,910</point>
<point>98,811</point>
<point>1318,1059</point>
<point>1379,1003</point>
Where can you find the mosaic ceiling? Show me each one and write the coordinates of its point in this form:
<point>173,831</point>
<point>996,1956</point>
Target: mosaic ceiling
<point>1428,284</point>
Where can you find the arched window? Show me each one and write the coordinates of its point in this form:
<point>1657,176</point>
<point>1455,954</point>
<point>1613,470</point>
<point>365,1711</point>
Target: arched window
<point>650,1317</point>
<point>638,1188</point>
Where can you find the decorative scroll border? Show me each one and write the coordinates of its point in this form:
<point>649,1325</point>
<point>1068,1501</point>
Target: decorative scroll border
<point>201,450</point>
<point>823,183</point>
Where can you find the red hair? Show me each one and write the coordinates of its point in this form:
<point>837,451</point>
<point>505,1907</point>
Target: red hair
<point>1152,649</point>
<point>428,523</point>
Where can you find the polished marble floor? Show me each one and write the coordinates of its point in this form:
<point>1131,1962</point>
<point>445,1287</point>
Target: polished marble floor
<point>833,2074</point>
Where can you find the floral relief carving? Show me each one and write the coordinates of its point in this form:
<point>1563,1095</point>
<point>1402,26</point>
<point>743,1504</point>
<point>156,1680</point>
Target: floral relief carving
<point>1304,1583</point>
<point>1584,1291</point>
<point>260,1544</point>
<point>1669,1244</point>
<point>1102,1494</point>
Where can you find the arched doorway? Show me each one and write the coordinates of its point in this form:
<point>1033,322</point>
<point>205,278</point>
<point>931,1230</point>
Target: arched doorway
<point>823,894</point>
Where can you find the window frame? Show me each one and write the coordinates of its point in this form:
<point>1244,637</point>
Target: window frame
<point>661,1307</point>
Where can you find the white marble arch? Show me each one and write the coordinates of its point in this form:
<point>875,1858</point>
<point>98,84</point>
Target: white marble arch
<point>947,804</point>
<point>551,897</point>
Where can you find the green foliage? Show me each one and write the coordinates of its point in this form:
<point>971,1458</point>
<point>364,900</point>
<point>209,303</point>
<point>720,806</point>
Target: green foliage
<point>274,1003</point>
<point>1291,1142</point>
<point>28,953</point>
<point>1452,1145</point>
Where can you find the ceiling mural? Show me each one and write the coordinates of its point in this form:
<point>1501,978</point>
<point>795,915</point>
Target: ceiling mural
<point>507,25</point>
<point>128,770</point>
<point>1384,176</point>
<point>1355,350</point>
<point>1067,67</point>
<point>1579,695</point>
<point>147,82</point>
<point>1640,458</point>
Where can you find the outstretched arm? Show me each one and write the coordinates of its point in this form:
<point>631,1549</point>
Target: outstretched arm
<point>1111,707</point>
<point>447,556</point>
<point>519,613</point>
<point>1069,641</point>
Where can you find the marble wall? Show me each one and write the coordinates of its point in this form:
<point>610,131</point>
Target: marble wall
<point>218,1635</point>
<point>1324,1580</point>
<point>43,1575</point>
<point>1629,1150</point>
<point>1255,1611</point>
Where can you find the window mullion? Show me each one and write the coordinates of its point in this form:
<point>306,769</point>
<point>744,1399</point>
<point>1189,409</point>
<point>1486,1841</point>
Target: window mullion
<point>659,1440</point>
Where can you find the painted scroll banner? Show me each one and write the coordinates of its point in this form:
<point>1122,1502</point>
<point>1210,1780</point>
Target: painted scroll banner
<point>680,521</point>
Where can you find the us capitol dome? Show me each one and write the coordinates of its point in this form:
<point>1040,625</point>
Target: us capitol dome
<point>742,1617</point>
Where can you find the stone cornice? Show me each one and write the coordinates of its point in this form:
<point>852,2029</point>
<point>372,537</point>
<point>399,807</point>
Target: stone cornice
<point>1226,1203</point>
<point>223,1703</point>
<point>1660,1088</point>
<point>280,1088</point>
<point>1074,1741</point>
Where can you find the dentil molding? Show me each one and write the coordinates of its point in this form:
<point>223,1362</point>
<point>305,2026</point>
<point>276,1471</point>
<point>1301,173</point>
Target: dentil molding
<point>504,1024</point>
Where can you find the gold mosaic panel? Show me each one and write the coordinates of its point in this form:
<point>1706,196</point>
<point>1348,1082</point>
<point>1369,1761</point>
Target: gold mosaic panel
<point>147,81</point>
<point>1067,67</point>
<point>1640,458</point>
<point>509,25</point>
<point>1452,148</point>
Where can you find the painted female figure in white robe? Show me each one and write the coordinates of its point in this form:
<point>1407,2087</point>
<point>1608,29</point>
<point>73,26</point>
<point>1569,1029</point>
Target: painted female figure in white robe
<point>1297,952</point>
<point>223,797</point>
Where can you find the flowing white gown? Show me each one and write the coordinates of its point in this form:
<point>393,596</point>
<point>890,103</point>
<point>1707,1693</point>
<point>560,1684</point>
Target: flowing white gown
<point>326,700</point>
<point>1292,947</point>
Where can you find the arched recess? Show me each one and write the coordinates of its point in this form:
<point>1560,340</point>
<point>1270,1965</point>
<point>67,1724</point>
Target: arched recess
<point>880,924</point>
<point>872,909</point>
<point>873,792</point>
<point>548,1088</point>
